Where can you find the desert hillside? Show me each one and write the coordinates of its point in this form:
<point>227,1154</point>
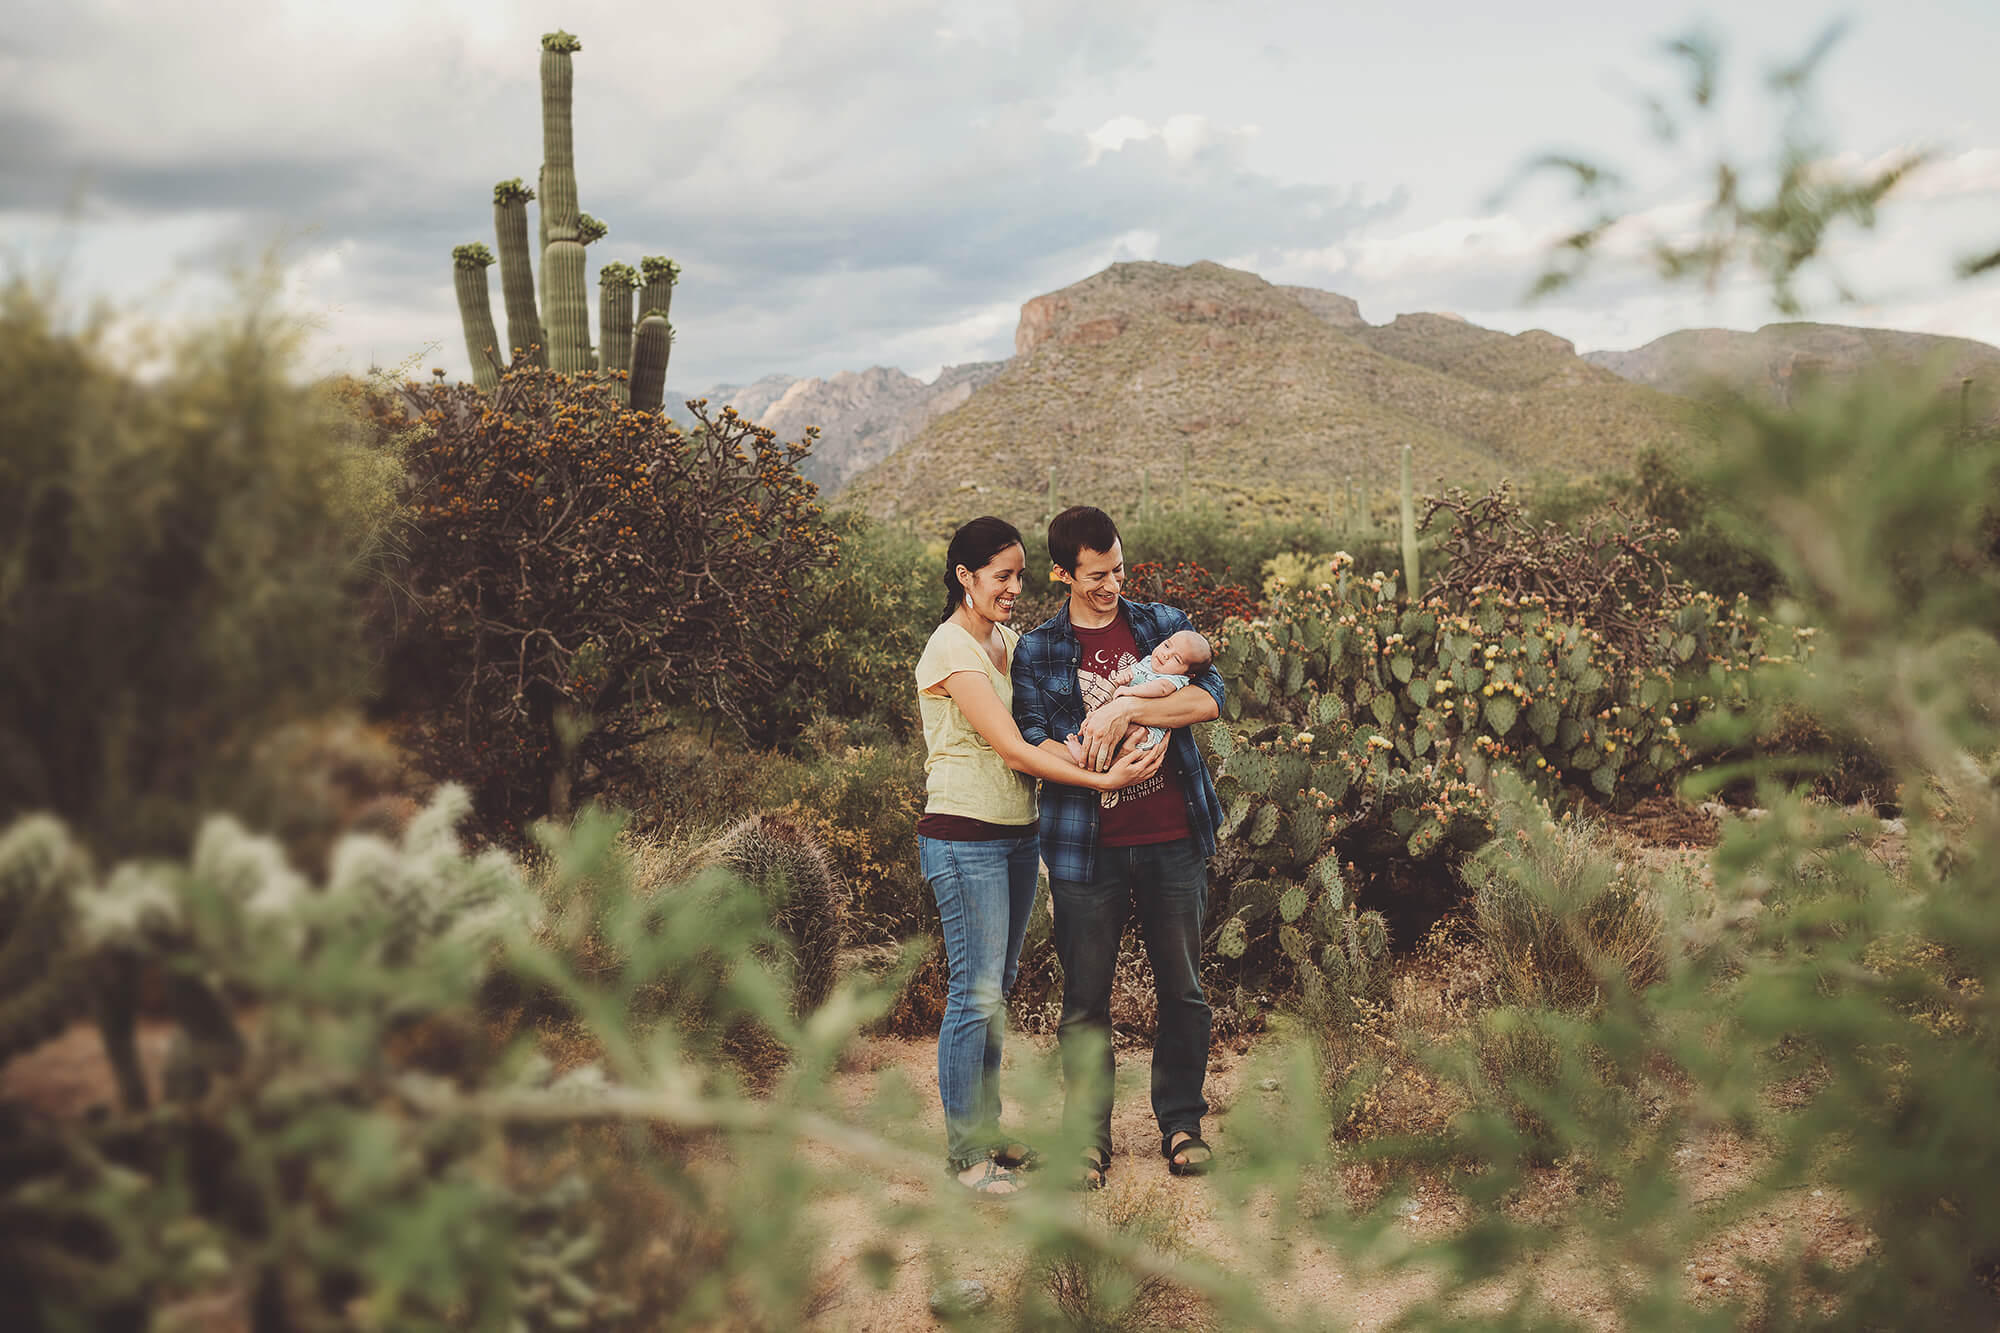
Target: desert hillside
<point>1268,396</point>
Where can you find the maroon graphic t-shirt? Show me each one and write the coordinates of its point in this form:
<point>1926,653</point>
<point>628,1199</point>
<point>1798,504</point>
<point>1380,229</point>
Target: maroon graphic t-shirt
<point>1145,812</point>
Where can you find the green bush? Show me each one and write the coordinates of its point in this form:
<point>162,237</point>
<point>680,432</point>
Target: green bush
<point>863,623</point>
<point>182,565</point>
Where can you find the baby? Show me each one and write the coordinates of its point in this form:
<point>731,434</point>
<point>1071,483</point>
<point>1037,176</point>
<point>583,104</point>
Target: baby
<point>1155,677</point>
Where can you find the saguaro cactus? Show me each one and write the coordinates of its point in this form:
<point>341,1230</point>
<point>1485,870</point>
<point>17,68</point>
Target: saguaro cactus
<point>517,272</point>
<point>616,284</point>
<point>654,342</point>
<point>475,309</point>
<point>548,310</point>
<point>568,286</point>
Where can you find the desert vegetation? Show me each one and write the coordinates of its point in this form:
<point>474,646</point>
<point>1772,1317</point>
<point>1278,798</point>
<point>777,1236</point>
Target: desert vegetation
<point>456,867</point>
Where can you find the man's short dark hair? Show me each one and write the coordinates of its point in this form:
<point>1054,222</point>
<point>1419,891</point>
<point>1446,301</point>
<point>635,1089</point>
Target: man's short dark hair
<point>1077,529</point>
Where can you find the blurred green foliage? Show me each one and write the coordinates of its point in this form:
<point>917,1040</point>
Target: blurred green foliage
<point>182,561</point>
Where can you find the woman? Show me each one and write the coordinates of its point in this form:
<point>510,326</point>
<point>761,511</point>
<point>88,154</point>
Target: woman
<point>976,838</point>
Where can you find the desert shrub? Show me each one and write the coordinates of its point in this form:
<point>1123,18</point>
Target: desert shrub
<point>862,624</point>
<point>1561,915</point>
<point>1703,545</point>
<point>1206,599</point>
<point>861,803</point>
<point>1607,575</point>
<point>573,563</point>
<point>182,564</point>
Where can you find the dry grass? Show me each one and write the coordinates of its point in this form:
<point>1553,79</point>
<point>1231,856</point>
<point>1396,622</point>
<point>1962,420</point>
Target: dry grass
<point>1075,1290</point>
<point>1562,916</point>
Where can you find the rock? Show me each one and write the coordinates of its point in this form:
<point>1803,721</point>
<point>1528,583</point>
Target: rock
<point>1411,1208</point>
<point>1713,809</point>
<point>1894,827</point>
<point>1268,1085</point>
<point>962,1297</point>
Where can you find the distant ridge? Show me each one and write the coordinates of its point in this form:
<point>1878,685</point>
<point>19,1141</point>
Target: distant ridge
<point>863,416</point>
<point>1772,364</point>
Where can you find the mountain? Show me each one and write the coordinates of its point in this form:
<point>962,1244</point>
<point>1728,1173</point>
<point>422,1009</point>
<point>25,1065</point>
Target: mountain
<point>1773,363</point>
<point>752,400</point>
<point>1268,397</point>
<point>863,416</point>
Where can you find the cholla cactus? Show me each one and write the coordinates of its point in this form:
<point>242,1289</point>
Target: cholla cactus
<point>41,869</point>
<point>1348,966</point>
<point>804,894</point>
<point>427,888</point>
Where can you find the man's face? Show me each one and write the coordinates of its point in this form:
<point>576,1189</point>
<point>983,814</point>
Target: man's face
<point>1098,578</point>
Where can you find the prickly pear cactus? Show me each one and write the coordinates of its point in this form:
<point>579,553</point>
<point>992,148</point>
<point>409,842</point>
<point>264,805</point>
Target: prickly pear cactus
<point>1347,967</point>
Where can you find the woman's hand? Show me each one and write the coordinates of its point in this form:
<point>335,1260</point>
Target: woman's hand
<point>1133,765</point>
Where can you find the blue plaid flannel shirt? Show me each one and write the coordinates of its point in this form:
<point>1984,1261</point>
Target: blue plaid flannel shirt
<point>1048,705</point>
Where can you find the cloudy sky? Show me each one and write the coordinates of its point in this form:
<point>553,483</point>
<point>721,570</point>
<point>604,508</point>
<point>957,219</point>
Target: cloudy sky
<point>859,182</point>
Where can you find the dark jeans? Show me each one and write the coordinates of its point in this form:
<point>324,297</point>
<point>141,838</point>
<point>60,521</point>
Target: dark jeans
<point>984,891</point>
<point>1166,884</point>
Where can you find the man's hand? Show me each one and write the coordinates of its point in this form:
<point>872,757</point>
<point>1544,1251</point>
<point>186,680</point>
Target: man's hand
<point>1104,730</point>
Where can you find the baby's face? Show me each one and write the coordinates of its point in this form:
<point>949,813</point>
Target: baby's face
<point>1180,654</point>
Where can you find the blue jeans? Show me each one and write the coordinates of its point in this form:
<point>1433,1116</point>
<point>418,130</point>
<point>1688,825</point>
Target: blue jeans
<point>984,892</point>
<point>1166,884</point>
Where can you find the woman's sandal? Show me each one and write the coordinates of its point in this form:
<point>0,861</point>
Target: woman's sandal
<point>989,1182</point>
<point>1177,1144</point>
<point>1095,1165</point>
<point>1017,1157</point>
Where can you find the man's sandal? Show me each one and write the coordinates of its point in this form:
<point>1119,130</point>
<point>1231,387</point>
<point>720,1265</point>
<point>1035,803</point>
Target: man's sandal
<point>1094,1164</point>
<point>989,1184</point>
<point>1017,1157</point>
<point>1177,1145</point>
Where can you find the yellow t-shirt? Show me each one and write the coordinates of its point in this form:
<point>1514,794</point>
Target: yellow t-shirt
<point>963,775</point>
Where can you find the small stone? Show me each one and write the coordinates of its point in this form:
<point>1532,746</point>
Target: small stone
<point>961,1297</point>
<point>1894,826</point>
<point>1268,1085</point>
<point>1410,1208</point>
<point>1819,1194</point>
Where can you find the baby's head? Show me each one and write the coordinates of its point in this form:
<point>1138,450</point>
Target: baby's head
<point>1182,654</point>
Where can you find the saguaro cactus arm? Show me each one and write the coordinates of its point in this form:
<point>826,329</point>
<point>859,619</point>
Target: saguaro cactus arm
<point>475,311</point>
<point>525,338</point>
<point>616,284</point>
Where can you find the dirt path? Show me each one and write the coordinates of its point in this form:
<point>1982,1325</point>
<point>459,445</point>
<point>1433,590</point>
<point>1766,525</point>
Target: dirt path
<point>1320,1289</point>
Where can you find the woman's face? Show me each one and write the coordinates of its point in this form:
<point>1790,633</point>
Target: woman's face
<point>991,589</point>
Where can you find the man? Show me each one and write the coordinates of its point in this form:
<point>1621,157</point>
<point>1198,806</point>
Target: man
<point>1142,850</point>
